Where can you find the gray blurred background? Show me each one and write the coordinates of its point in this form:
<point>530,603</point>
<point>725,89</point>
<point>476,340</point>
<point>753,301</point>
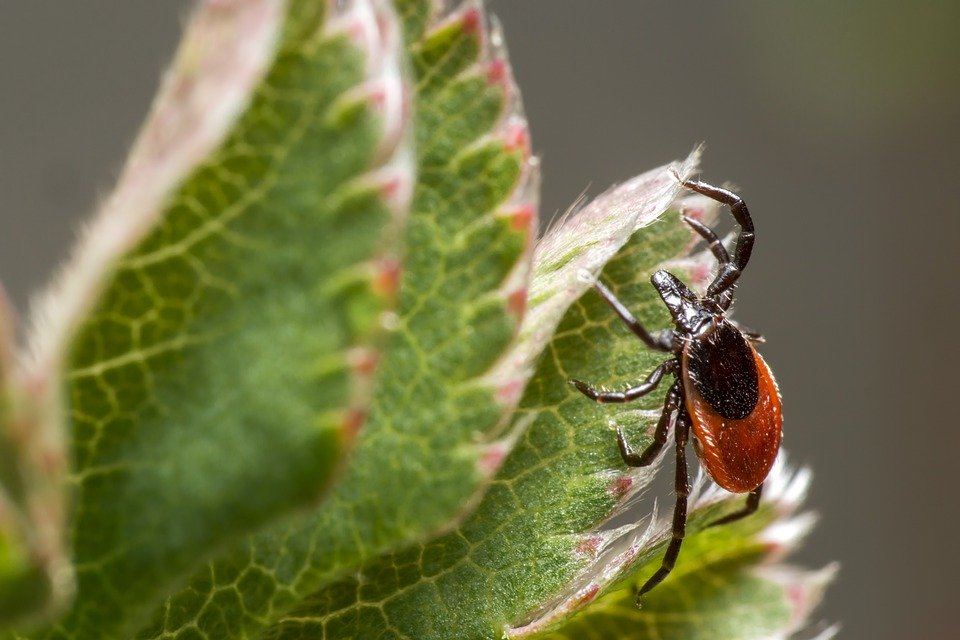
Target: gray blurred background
<point>840,123</point>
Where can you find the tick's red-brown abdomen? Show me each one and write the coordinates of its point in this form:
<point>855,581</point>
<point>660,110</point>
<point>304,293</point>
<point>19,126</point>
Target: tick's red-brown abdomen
<point>737,453</point>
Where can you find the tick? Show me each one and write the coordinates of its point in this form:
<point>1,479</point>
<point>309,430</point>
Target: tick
<point>722,389</point>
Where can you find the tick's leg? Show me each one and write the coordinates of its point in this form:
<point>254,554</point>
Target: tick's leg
<point>719,252</point>
<point>753,502</point>
<point>634,459</point>
<point>663,341</point>
<point>632,393</point>
<point>751,334</point>
<point>682,488</point>
<point>716,247</point>
<point>730,272</point>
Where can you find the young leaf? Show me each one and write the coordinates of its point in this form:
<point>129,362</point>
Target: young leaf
<point>35,574</point>
<point>434,435</point>
<point>533,531</point>
<point>536,548</point>
<point>726,584</point>
<point>230,298</point>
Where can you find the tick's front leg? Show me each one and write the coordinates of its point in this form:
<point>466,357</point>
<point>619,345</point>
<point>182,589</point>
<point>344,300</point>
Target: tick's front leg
<point>630,394</point>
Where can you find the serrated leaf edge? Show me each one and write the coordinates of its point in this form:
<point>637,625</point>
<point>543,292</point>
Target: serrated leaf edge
<point>225,51</point>
<point>570,256</point>
<point>504,377</point>
<point>370,26</point>
<point>622,551</point>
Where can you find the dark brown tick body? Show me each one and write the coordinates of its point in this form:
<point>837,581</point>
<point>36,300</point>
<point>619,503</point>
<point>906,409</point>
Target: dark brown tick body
<point>723,390</point>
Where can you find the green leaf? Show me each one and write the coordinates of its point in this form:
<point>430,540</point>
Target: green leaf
<point>222,367</point>
<point>722,587</point>
<point>447,384</point>
<point>534,531</point>
<point>727,582</point>
<point>537,548</point>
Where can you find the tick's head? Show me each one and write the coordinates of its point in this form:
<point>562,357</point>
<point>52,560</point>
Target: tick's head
<point>693,316</point>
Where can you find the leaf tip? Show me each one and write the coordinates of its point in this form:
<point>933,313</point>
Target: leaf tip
<point>351,422</point>
<point>373,29</point>
<point>363,360</point>
<point>517,302</point>
<point>507,384</point>
<point>471,18</point>
<point>586,595</point>
<point>620,486</point>
<point>516,136</point>
<point>498,71</point>
<point>492,456</point>
<point>590,546</point>
<point>583,597</point>
<point>386,278</point>
<point>395,182</point>
<point>803,591</point>
<point>494,453</point>
<point>521,217</point>
<point>783,536</point>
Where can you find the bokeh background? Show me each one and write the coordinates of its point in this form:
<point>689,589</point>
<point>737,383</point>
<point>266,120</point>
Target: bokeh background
<point>839,122</point>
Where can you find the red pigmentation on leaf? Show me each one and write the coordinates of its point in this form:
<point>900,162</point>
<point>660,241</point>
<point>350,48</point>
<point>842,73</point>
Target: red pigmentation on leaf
<point>497,71</point>
<point>471,20</point>
<point>363,361</point>
<point>521,217</point>
<point>353,420</point>
<point>387,277</point>
<point>588,594</point>
<point>509,393</point>
<point>517,302</point>
<point>621,486</point>
<point>493,456</point>
<point>517,138</point>
<point>589,546</point>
